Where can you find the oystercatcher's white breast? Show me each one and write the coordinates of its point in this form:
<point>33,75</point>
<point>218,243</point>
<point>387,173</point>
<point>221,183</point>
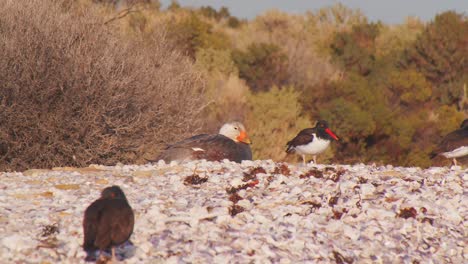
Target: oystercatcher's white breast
<point>456,153</point>
<point>315,147</point>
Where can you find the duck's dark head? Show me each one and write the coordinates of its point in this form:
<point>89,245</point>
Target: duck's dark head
<point>113,192</point>
<point>464,124</point>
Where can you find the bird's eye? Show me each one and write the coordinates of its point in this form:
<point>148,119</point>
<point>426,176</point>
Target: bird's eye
<point>236,128</point>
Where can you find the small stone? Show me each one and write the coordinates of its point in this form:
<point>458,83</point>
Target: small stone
<point>35,172</point>
<point>67,186</point>
<point>367,190</point>
<point>143,174</point>
<point>102,181</point>
<point>17,242</point>
<point>351,232</point>
<point>47,194</point>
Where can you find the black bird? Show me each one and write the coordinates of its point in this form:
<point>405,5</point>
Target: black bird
<point>454,144</point>
<point>231,143</point>
<point>107,222</point>
<point>311,141</point>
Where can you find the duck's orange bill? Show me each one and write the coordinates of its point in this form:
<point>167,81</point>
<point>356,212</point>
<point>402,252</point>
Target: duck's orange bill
<point>244,138</point>
<point>331,134</point>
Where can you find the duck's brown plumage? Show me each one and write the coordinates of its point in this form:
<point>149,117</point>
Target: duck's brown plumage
<point>108,221</point>
<point>211,147</point>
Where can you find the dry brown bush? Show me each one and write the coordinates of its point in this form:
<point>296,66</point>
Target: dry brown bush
<point>74,92</point>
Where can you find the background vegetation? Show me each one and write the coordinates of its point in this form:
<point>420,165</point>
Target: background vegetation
<point>96,81</point>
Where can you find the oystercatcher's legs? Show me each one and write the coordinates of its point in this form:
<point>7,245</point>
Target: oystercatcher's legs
<point>455,161</point>
<point>113,259</point>
<point>315,159</point>
<point>303,160</point>
<point>101,258</point>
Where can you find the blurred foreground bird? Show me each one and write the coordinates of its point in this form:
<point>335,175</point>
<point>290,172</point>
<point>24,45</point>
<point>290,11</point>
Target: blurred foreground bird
<point>107,222</point>
<point>453,145</point>
<point>231,143</point>
<point>311,141</point>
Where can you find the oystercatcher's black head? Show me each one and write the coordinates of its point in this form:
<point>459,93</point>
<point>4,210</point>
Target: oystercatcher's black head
<point>324,131</point>
<point>464,124</point>
<point>113,192</point>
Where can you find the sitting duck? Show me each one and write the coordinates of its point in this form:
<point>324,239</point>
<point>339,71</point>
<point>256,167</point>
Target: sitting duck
<point>232,143</point>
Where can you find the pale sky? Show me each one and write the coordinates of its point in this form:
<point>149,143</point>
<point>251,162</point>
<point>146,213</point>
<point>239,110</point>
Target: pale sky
<point>388,11</point>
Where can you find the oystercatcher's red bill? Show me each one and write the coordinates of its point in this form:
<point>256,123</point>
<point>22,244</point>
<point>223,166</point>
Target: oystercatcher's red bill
<point>331,133</point>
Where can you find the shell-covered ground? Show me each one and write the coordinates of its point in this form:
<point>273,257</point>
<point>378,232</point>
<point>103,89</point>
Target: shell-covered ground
<point>254,212</point>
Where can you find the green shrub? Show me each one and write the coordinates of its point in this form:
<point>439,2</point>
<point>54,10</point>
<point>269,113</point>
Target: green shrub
<point>210,12</point>
<point>353,121</point>
<point>355,50</point>
<point>394,39</point>
<point>216,61</point>
<point>262,65</point>
<point>440,53</point>
<point>233,22</point>
<point>192,33</point>
<point>274,118</point>
<point>448,119</point>
<point>408,87</point>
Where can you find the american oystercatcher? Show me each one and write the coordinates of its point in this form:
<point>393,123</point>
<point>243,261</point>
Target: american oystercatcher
<point>231,143</point>
<point>107,222</point>
<point>454,145</point>
<point>311,141</point>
